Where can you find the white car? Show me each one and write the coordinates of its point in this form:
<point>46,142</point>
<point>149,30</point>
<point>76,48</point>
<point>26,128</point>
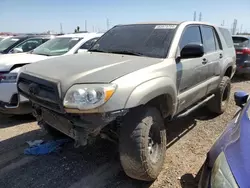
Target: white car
<point>10,64</point>
<point>4,37</point>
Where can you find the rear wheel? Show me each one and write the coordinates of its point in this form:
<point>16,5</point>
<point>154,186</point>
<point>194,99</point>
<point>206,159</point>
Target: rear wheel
<point>220,102</point>
<point>143,143</point>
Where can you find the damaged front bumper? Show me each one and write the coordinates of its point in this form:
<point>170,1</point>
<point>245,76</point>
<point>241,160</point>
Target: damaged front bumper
<point>80,127</point>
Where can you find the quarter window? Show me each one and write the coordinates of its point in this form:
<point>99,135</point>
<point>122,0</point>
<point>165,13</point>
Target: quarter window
<point>191,35</point>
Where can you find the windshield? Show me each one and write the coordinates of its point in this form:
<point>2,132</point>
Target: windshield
<point>1,38</point>
<point>57,46</point>
<point>4,44</point>
<point>240,42</point>
<point>149,40</point>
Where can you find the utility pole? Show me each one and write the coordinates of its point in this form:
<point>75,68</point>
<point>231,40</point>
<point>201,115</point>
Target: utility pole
<point>61,28</point>
<point>241,27</point>
<point>234,26</point>
<point>200,17</point>
<point>107,24</point>
<point>194,15</point>
<point>93,28</point>
<point>86,28</point>
<point>223,23</point>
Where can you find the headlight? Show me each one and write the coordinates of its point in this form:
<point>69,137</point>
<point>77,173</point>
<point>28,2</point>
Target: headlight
<point>221,174</point>
<point>88,96</point>
<point>8,78</point>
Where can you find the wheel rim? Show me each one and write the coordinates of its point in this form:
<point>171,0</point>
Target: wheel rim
<point>154,142</point>
<point>225,95</point>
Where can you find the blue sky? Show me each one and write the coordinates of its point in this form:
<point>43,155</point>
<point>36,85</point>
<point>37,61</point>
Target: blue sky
<point>43,15</point>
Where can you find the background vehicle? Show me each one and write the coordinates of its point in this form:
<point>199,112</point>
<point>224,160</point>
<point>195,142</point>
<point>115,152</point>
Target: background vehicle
<point>10,64</point>
<point>227,163</point>
<point>21,43</point>
<point>124,90</point>
<point>4,37</point>
<point>242,47</point>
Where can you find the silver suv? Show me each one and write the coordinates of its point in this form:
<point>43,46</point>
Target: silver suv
<point>133,78</point>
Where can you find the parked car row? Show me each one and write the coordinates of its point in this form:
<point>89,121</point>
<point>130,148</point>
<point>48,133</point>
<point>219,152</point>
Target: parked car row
<point>10,64</point>
<point>122,88</point>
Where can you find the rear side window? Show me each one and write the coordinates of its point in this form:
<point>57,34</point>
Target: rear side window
<point>241,42</point>
<point>208,39</point>
<point>191,35</point>
<point>227,36</point>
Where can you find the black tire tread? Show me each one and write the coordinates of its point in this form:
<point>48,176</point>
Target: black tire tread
<point>215,104</point>
<point>133,151</point>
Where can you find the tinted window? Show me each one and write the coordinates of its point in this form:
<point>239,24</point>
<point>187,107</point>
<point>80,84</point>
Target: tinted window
<point>208,39</point>
<point>227,36</point>
<point>30,44</point>
<point>5,44</point>
<point>89,43</point>
<point>240,42</point>
<point>142,39</point>
<point>191,35</point>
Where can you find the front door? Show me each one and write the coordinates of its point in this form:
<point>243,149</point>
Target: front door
<point>191,73</point>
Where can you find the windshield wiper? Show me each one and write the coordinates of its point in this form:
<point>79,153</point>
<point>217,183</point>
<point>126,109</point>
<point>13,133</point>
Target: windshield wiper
<point>40,54</point>
<point>127,52</point>
<point>96,50</point>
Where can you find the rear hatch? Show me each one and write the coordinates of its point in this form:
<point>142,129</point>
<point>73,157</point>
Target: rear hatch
<point>242,47</point>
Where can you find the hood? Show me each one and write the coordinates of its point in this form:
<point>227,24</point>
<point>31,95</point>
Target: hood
<point>238,149</point>
<point>91,67</point>
<point>8,60</point>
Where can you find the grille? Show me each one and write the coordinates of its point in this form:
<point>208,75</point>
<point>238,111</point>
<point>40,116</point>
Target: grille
<point>47,94</point>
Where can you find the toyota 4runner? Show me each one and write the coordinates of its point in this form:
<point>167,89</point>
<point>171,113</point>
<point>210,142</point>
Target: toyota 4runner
<point>124,90</point>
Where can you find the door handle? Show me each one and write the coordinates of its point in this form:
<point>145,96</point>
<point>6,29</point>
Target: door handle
<point>221,56</point>
<point>204,61</point>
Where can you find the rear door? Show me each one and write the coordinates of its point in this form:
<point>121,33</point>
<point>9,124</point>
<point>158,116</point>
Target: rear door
<point>242,47</point>
<point>213,56</point>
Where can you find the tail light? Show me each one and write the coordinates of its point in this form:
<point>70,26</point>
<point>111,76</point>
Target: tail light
<point>243,51</point>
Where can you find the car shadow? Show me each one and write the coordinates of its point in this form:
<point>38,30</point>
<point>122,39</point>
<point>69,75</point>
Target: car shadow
<point>239,78</point>
<point>180,127</point>
<point>96,165</point>
<point>9,121</point>
<point>190,181</point>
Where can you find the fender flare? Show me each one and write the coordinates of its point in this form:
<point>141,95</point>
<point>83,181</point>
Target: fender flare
<point>151,89</point>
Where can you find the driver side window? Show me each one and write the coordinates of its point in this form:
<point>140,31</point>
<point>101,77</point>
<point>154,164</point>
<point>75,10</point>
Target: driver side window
<point>30,44</point>
<point>191,35</point>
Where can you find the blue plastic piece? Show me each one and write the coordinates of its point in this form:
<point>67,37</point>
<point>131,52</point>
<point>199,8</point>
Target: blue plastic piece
<point>46,148</point>
<point>240,98</point>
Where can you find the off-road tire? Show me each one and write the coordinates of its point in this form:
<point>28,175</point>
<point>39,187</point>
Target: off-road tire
<point>134,139</point>
<point>219,103</point>
<point>51,131</point>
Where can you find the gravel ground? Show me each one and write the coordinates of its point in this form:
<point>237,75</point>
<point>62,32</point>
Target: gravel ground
<point>189,139</point>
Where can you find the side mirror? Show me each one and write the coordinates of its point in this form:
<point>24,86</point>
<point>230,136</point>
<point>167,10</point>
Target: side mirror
<point>17,50</point>
<point>81,50</point>
<point>192,51</point>
<point>240,98</point>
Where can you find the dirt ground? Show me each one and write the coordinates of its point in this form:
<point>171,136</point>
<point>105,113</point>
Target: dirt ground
<point>189,139</point>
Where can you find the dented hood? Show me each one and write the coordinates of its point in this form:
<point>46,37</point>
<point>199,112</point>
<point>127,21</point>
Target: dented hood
<point>88,68</point>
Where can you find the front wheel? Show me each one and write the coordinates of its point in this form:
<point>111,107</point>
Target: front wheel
<point>220,102</point>
<point>143,143</point>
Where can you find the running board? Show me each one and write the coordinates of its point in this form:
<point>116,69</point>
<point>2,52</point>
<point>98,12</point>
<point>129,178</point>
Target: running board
<point>195,107</point>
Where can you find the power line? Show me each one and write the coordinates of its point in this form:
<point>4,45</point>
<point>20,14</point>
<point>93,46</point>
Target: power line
<point>194,15</point>
<point>108,24</point>
<point>200,17</point>
<point>61,28</point>
<point>86,27</point>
